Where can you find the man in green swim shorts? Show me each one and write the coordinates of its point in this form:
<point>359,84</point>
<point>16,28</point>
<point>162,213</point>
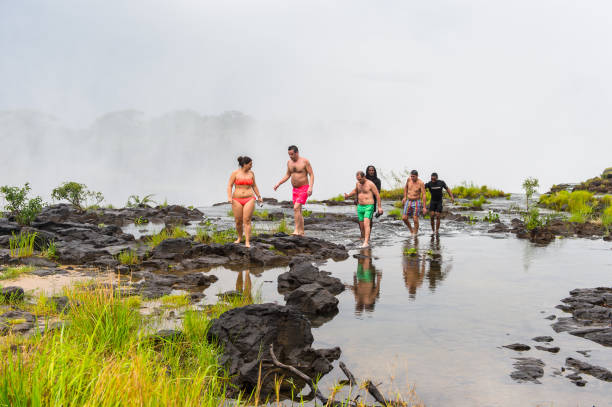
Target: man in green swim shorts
<point>366,194</point>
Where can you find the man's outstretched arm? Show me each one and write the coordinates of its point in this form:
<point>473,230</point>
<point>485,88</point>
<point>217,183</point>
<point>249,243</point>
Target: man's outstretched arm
<point>310,177</point>
<point>284,179</point>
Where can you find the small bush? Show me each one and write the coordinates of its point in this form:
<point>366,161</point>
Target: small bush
<point>263,215</point>
<point>22,245</point>
<point>135,200</point>
<point>476,203</point>
<point>530,185</point>
<point>128,257</point>
<point>392,194</point>
<point>282,226</point>
<point>606,217</point>
<point>491,217</point>
<point>78,195</point>
<point>395,213</point>
<point>339,198</point>
<point>210,234</point>
<point>18,205</point>
<point>51,251</point>
<point>306,213</point>
<point>471,191</point>
<point>174,233</point>
<point>139,221</point>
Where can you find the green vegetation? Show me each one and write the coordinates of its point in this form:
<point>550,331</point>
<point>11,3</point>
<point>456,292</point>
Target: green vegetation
<point>476,203</point>
<point>13,272</point>
<point>580,204</point>
<point>339,198</point>
<point>135,200</point>
<point>22,245</point>
<point>18,205</point>
<point>210,234</point>
<point>128,257</point>
<point>392,194</point>
<point>283,227</point>
<point>51,251</point>
<point>263,215</point>
<point>78,195</point>
<point>410,251</point>
<point>491,217</point>
<point>175,301</point>
<point>173,233</point>
<point>306,213</point>
<point>103,357</point>
<point>472,220</point>
<point>139,221</point>
<point>395,213</point>
<point>471,191</point>
<point>606,217</point>
<point>530,185</point>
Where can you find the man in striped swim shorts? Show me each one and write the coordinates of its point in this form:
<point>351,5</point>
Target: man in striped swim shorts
<point>414,201</point>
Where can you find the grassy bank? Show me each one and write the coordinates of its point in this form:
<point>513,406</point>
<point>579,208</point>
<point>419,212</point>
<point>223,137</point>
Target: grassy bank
<point>463,191</point>
<point>583,206</point>
<point>105,356</point>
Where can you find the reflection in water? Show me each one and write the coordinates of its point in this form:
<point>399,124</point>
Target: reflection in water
<point>243,284</point>
<point>366,283</point>
<point>420,264</point>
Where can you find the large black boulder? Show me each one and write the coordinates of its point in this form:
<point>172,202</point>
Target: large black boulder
<point>246,334</point>
<point>312,299</point>
<point>302,273</point>
<point>172,249</point>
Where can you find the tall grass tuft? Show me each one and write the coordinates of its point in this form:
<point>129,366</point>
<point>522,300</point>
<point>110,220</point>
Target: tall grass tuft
<point>13,272</point>
<point>22,245</point>
<point>128,257</point>
<point>175,232</point>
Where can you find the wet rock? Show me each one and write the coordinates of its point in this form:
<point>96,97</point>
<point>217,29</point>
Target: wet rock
<point>8,228</point>
<point>601,336</point>
<point>499,228</point>
<point>542,339</point>
<point>598,372</point>
<point>554,349</point>
<point>171,249</point>
<point>550,317</point>
<point>584,353</point>
<point>528,370</point>
<point>204,261</point>
<point>37,262</point>
<point>12,293</point>
<point>246,334</point>
<point>264,257</point>
<point>303,273</point>
<point>48,272</point>
<point>519,347</point>
<point>199,279</point>
<point>312,299</point>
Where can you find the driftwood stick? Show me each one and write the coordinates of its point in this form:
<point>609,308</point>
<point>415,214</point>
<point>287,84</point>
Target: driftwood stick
<point>304,377</point>
<point>349,375</point>
<point>373,390</point>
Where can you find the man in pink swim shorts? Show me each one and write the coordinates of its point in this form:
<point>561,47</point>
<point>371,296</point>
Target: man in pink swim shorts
<point>302,179</point>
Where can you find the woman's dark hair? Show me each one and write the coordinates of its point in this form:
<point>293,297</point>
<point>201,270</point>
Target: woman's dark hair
<point>368,176</point>
<point>244,160</point>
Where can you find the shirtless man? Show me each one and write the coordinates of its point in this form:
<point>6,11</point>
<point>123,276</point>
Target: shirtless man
<point>414,194</point>
<point>367,195</point>
<point>302,179</point>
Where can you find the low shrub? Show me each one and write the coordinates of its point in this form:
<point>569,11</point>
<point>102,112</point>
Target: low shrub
<point>339,198</point>
<point>128,257</point>
<point>471,191</point>
<point>135,200</point>
<point>18,205</point>
<point>77,195</point>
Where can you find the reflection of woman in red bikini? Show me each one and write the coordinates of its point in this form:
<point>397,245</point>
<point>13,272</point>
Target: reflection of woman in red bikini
<point>243,200</point>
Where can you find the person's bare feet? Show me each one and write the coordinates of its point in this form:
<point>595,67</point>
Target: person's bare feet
<point>247,244</point>
<point>237,241</point>
<point>365,245</point>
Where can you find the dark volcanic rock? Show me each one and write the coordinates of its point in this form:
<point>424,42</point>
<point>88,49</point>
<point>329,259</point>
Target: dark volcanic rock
<point>554,349</point>
<point>542,339</point>
<point>591,310</point>
<point>520,347</point>
<point>16,322</point>
<point>12,293</point>
<point>172,249</point>
<point>312,299</point>
<point>48,272</point>
<point>528,370</point>
<point>599,372</point>
<point>246,334</point>
<point>499,228</point>
<point>302,273</point>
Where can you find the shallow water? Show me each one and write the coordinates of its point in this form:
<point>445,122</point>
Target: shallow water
<point>437,320</point>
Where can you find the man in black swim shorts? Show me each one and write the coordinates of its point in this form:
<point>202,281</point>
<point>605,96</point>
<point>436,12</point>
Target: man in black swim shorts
<point>436,187</point>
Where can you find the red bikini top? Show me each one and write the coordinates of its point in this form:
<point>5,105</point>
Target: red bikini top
<point>246,181</point>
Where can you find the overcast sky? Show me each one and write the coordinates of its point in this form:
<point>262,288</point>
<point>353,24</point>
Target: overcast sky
<point>489,91</point>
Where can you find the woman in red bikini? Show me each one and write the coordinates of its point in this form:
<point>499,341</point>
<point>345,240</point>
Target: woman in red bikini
<point>242,181</point>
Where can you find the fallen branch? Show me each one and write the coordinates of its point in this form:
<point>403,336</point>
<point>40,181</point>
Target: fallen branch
<point>349,375</point>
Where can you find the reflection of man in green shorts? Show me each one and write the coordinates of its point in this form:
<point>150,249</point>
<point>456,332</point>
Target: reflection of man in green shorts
<point>366,193</point>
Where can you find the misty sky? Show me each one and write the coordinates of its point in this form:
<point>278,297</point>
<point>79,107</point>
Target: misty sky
<point>489,91</point>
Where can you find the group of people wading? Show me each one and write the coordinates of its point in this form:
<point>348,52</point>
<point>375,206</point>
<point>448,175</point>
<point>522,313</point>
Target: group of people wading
<point>242,193</point>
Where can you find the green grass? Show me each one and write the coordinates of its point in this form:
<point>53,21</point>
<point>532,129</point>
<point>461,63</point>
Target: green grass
<point>210,234</point>
<point>51,251</point>
<point>262,215</point>
<point>13,272</point>
<point>176,232</point>
<point>606,217</point>
<point>471,191</point>
<point>22,245</point>
<point>283,227</point>
<point>102,359</point>
<point>140,221</point>
<point>476,203</point>
<point>580,204</point>
<point>395,213</point>
<point>472,220</point>
<point>338,198</point>
<point>306,213</point>
<point>491,217</point>
<point>175,301</point>
<point>128,257</point>
<point>392,194</point>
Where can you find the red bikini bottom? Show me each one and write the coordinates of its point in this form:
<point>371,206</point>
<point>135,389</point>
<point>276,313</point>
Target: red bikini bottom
<point>243,201</point>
